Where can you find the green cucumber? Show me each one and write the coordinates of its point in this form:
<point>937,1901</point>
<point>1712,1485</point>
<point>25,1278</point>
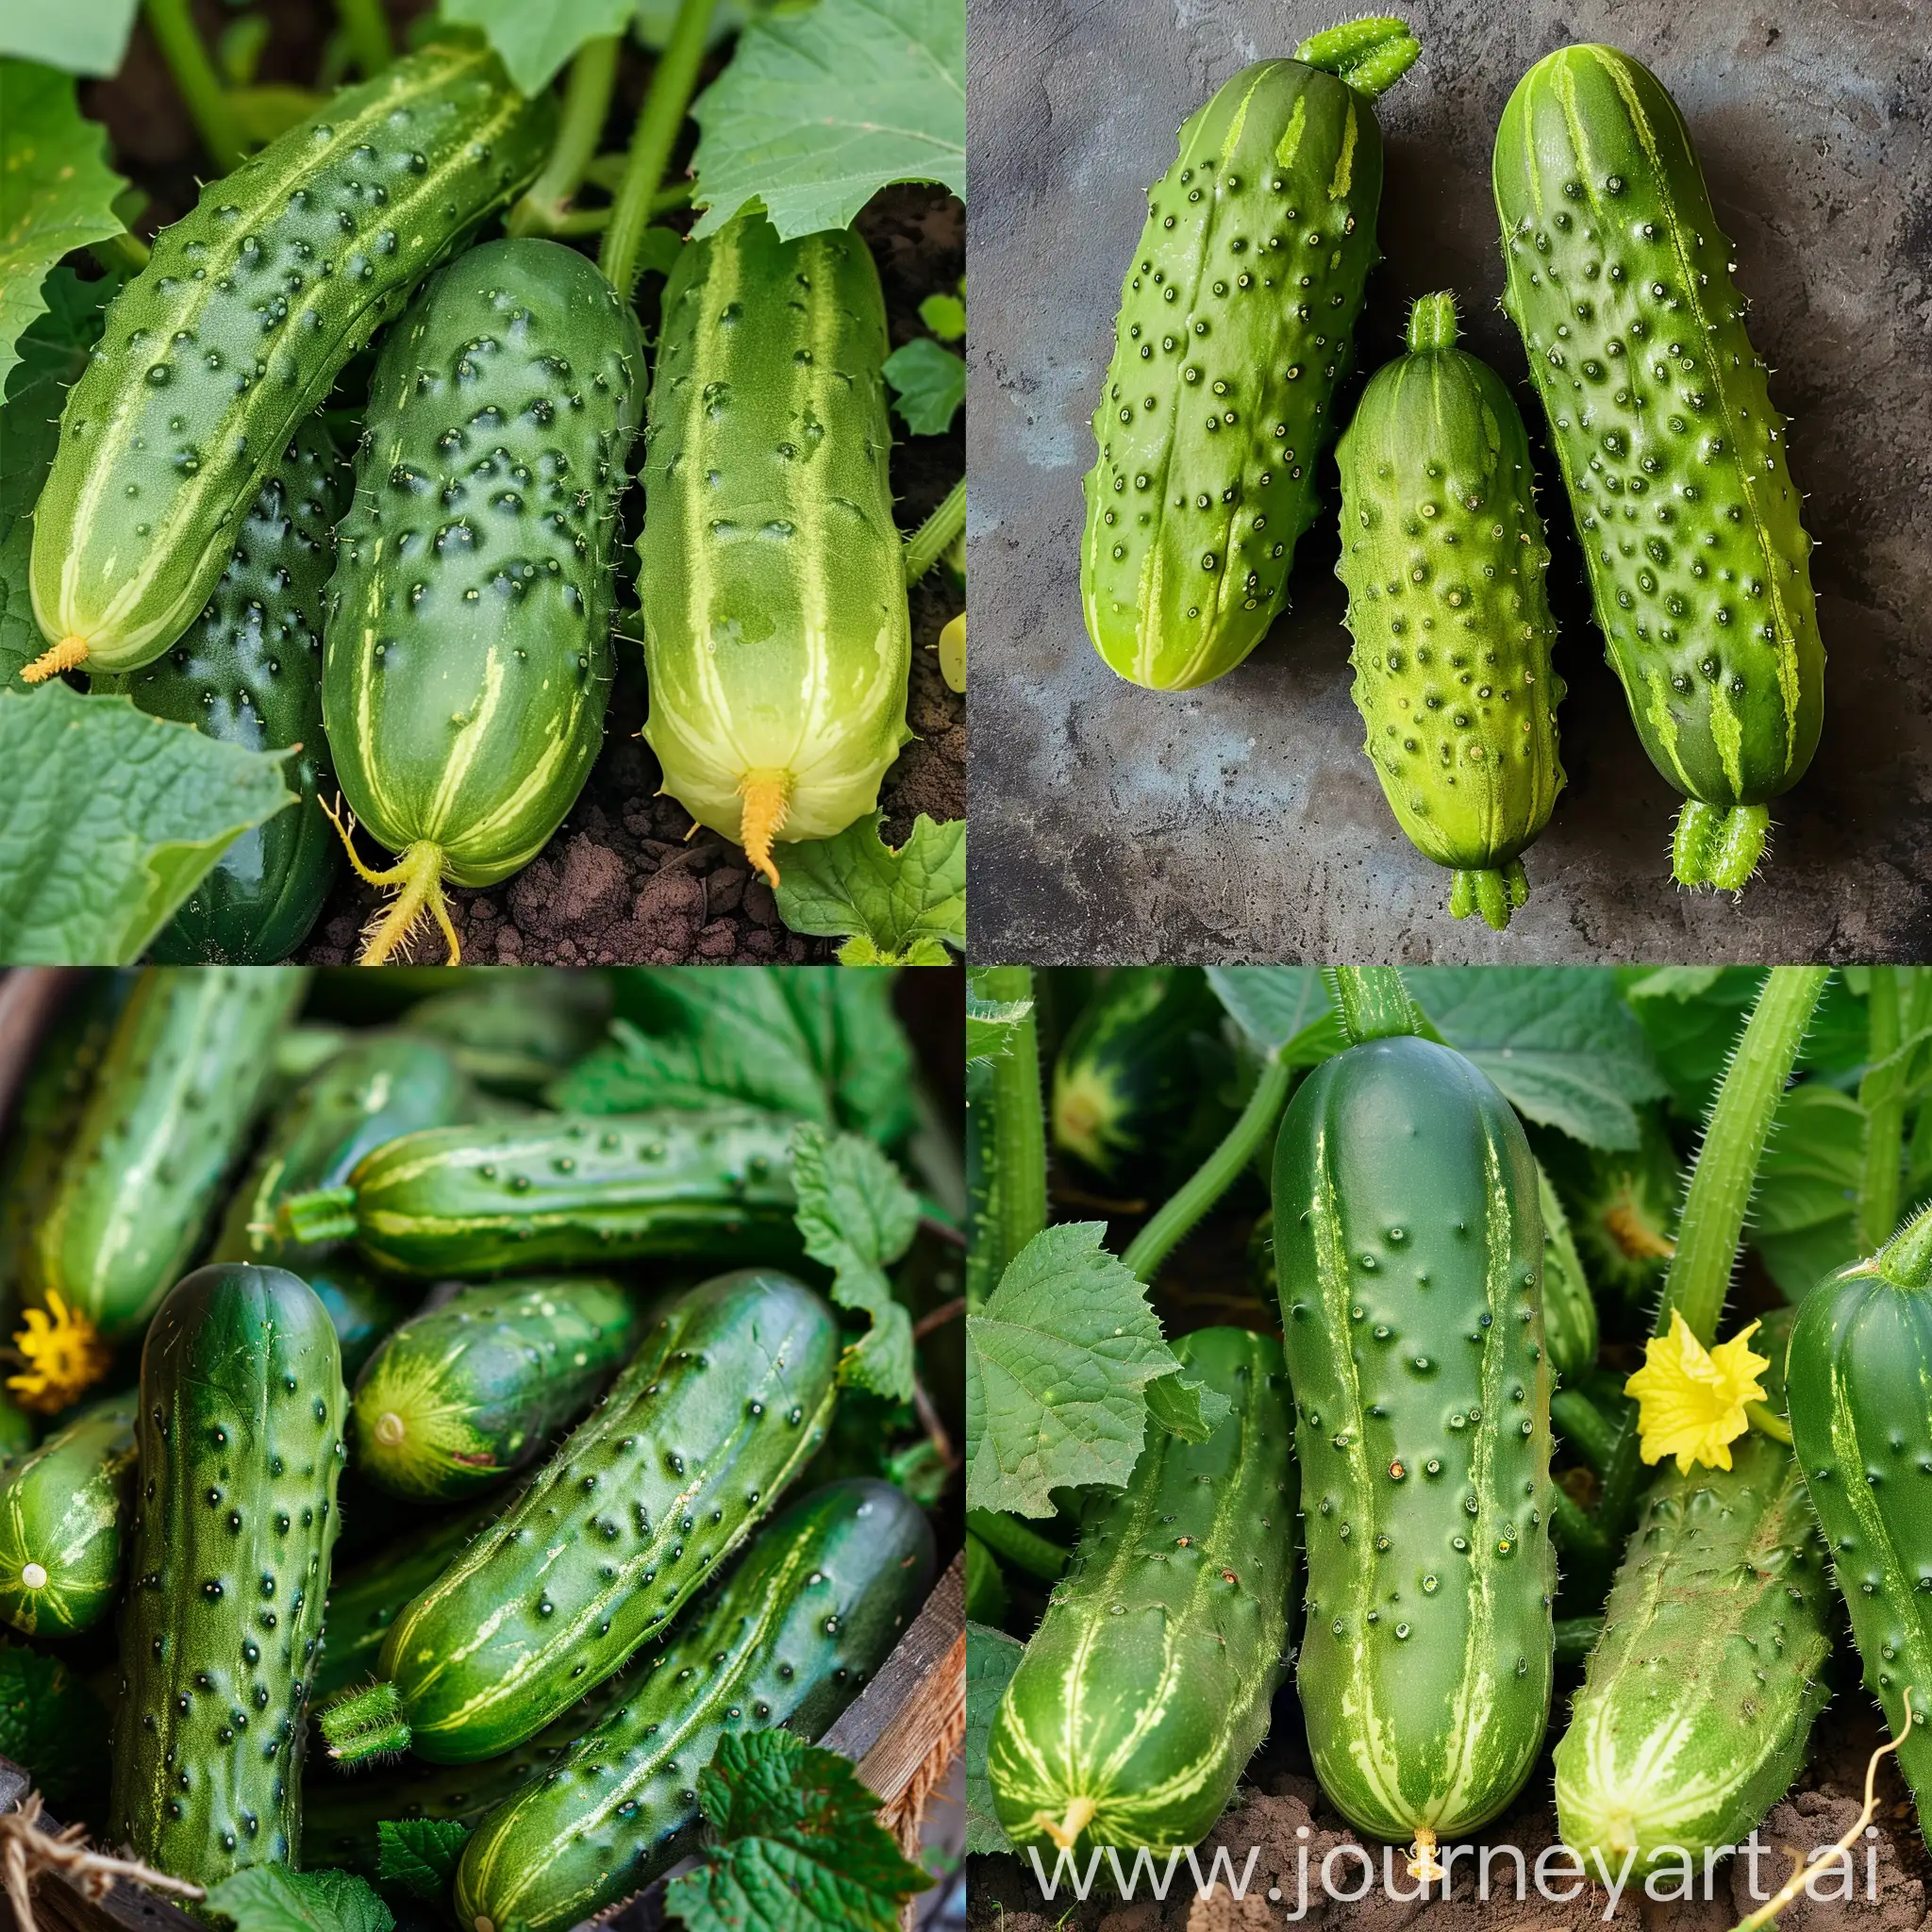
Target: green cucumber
<point>723,1405</point>
<point>248,671</point>
<point>777,637</point>
<point>1571,1331</point>
<point>241,1445</point>
<point>464,1394</point>
<point>1444,555</point>
<point>558,1190</point>
<point>62,1511</point>
<point>1409,1250</point>
<point>191,1055</point>
<point>1662,423</point>
<point>1145,1688</point>
<point>791,1639</point>
<point>237,329</point>
<point>362,1307</point>
<point>521,1028</point>
<point>467,666</point>
<point>1236,327</point>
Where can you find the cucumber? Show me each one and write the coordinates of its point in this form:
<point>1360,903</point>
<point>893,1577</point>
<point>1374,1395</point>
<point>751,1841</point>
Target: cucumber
<point>362,1307</point>
<point>190,1054</point>
<point>1621,1206</point>
<point>62,1511</point>
<point>777,637</point>
<point>1444,555</point>
<point>1409,1251</point>
<point>241,1445</point>
<point>803,1622</point>
<point>521,1028</point>
<point>1698,1701</point>
<point>558,1190</point>
<point>459,1396</point>
<point>1145,1688</point>
<point>1571,1330</point>
<point>236,330</point>
<point>467,661</point>
<point>1236,326</point>
<point>723,1405</point>
<point>248,671</point>
<point>1662,423</point>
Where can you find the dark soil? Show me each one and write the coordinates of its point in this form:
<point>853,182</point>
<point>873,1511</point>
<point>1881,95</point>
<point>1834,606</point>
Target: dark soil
<point>624,881</point>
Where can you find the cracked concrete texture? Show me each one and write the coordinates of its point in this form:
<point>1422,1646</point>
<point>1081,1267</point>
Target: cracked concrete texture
<point>1241,821</point>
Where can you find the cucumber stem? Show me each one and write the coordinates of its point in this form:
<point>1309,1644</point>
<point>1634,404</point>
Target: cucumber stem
<point>321,1214</point>
<point>419,875</point>
<point>928,543</point>
<point>1018,1138</point>
<point>207,100</point>
<point>1432,321</point>
<point>366,30</point>
<point>544,205</point>
<point>1174,1220</point>
<point>122,254</point>
<point>1906,1259</point>
<point>1495,891</point>
<point>1024,1548</point>
<point>1584,1427</point>
<point>1767,1422</point>
<point>1372,1002</point>
<point>666,101</point>
<point>365,1723</point>
<point>1885,1120</point>
<point>1370,55</point>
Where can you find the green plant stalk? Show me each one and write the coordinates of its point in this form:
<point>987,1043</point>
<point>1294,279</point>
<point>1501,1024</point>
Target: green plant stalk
<point>125,254</point>
<point>673,82</point>
<point>1024,1548</point>
<point>927,543</point>
<point>1174,1220</point>
<point>1372,1002</point>
<point>201,86</point>
<point>1885,1122</point>
<point>1585,1427</point>
<point>1018,1124</point>
<point>542,209</point>
<point>366,30</point>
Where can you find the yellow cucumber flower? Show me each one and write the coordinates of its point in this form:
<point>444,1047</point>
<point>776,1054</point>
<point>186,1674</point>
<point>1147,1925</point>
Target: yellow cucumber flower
<point>1690,1400</point>
<point>62,1355</point>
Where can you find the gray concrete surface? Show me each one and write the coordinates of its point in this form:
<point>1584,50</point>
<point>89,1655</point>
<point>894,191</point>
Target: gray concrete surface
<point>1241,821</point>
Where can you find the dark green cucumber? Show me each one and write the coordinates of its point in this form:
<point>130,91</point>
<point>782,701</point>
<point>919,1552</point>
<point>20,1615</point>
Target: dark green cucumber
<point>560,1191</point>
<point>459,1396</point>
<point>191,1055</point>
<point>792,1638</point>
<point>519,1029</point>
<point>1146,1688</point>
<point>723,1405</point>
<point>241,1445</point>
<point>1408,1246</point>
<point>61,1512</point>
<point>363,1305</point>
<point>248,671</point>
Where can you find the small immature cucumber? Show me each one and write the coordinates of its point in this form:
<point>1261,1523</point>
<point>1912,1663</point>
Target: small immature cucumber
<point>723,1405</point>
<point>61,1512</point>
<point>236,330</point>
<point>777,637</point>
<point>803,1622</point>
<point>1146,1688</point>
<point>1620,281</point>
<point>468,659</point>
<point>1236,326</point>
<point>1409,1251</point>
<point>241,1444</point>
<point>1571,1330</point>
<point>559,1190</point>
<point>192,1052</point>
<point>1444,554</point>
<point>458,1397</point>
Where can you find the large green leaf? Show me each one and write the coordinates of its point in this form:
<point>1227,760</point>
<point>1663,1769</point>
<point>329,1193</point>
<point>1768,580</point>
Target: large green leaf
<point>900,905</point>
<point>991,1657</point>
<point>79,36</point>
<point>534,42</point>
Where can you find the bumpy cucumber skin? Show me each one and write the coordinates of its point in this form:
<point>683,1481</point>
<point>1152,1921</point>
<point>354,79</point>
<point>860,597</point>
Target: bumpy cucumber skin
<point>1236,326</point>
<point>1571,1330</point>
<point>459,1396</point>
<point>62,1511</point>
<point>556,1190</point>
<point>777,637</point>
<point>723,1405</point>
<point>236,330</point>
<point>191,1056</point>
<point>468,659</point>
<point>1620,281</point>
<point>1864,1442</point>
<point>1444,555</point>
<point>1134,1724</point>
<point>814,1609</point>
<point>248,671</point>
<point>1409,1252</point>
<point>241,1445</point>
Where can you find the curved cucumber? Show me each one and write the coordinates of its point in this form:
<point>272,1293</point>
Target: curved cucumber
<point>62,1511</point>
<point>1409,1247</point>
<point>723,1405</point>
<point>236,330</point>
<point>1146,1688</point>
<point>791,1639</point>
<point>1661,419</point>
<point>458,1397</point>
<point>777,637</point>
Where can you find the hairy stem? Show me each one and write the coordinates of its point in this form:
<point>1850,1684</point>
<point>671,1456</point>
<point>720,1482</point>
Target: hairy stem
<point>1372,1002</point>
<point>1885,1120</point>
<point>365,27</point>
<point>1018,1124</point>
<point>585,104</point>
<point>927,543</point>
<point>201,86</point>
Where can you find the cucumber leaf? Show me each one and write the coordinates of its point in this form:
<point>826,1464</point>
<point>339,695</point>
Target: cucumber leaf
<point>928,385</point>
<point>798,1845</point>
<point>533,43</point>
<point>992,1027</point>
<point>272,1898</point>
<point>892,907</point>
<point>821,108</point>
<point>51,1724</point>
<point>991,1657</point>
<point>420,1854</point>
<point>107,820</point>
<point>1284,1009</point>
<point>945,315</point>
<point>79,35</point>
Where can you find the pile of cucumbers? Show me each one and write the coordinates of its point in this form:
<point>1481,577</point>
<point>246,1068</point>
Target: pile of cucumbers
<point>482,1439</point>
<point>1235,333</point>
